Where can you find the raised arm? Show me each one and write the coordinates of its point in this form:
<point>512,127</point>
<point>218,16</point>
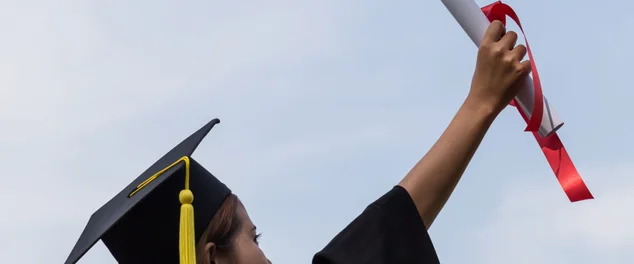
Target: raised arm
<point>499,71</point>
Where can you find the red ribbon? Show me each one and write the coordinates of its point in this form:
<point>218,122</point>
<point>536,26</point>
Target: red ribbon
<point>553,149</point>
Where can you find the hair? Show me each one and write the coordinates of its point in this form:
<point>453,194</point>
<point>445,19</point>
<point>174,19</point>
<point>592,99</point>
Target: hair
<point>222,229</point>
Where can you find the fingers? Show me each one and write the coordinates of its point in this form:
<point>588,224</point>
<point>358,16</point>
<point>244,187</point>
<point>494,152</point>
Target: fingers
<point>509,40</point>
<point>525,68</point>
<point>501,44</point>
<point>494,32</point>
<point>518,52</point>
<point>516,55</point>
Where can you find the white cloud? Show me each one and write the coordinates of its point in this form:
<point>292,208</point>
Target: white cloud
<point>536,224</point>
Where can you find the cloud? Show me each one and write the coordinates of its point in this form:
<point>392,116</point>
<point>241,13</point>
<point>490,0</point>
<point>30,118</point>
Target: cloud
<point>535,224</point>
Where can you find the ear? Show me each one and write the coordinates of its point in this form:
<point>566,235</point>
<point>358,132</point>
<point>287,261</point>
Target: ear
<point>210,253</point>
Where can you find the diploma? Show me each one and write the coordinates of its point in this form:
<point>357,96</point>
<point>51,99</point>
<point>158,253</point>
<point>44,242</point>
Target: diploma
<point>530,100</point>
<point>475,23</point>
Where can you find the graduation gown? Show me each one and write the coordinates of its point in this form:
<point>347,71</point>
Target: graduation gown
<point>389,231</point>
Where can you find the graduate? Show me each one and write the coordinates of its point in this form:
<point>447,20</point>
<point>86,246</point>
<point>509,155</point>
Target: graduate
<point>152,220</point>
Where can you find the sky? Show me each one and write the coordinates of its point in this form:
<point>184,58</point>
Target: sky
<point>325,105</point>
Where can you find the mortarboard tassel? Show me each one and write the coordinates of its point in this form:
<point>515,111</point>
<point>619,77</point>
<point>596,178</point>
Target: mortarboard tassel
<point>187,245</point>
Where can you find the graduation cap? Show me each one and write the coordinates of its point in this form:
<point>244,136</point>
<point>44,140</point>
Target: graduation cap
<point>141,224</point>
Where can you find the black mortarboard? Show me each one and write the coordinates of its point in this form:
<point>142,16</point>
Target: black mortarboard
<point>141,224</point>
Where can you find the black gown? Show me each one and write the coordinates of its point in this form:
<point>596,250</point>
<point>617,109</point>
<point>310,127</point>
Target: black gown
<point>389,231</point>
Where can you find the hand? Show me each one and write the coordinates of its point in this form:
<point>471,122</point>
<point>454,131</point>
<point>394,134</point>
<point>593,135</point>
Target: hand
<point>499,71</point>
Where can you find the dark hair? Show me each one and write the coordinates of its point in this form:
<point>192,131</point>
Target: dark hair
<point>222,228</point>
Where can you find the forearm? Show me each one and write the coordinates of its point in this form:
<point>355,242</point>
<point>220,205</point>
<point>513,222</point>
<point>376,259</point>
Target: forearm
<point>434,177</point>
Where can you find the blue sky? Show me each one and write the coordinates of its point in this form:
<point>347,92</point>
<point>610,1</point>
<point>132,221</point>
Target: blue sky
<point>324,106</point>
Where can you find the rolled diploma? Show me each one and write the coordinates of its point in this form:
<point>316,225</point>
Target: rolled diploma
<point>475,23</point>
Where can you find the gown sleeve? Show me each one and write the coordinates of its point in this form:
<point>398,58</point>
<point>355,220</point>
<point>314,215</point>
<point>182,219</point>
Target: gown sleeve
<point>389,231</point>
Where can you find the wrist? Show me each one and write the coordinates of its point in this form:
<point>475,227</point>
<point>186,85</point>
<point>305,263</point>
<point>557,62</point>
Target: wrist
<point>479,109</point>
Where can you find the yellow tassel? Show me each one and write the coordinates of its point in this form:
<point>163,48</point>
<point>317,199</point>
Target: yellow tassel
<point>187,238</point>
<point>187,243</point>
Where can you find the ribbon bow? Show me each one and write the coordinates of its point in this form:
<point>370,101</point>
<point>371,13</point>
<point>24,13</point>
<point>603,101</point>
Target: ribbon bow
<point>551,145</point>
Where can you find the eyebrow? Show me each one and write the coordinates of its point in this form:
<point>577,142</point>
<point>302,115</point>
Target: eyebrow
<point>254,228</point>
